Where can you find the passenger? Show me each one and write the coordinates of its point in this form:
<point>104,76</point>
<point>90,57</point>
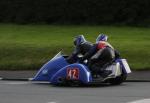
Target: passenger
<point>100,56</point>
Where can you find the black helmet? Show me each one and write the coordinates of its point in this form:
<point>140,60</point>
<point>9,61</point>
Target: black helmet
<point>79,40</point>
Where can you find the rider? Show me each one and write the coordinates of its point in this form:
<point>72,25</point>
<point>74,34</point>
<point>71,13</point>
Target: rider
<point>81,47</point>
<point>100,56</point>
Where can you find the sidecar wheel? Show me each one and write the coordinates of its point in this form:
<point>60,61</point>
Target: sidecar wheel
<point>72,83</point>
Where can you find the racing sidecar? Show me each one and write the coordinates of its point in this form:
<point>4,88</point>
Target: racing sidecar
<point>59,72</point>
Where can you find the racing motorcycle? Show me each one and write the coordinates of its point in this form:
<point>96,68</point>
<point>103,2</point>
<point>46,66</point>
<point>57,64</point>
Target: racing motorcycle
<point>59,72</point>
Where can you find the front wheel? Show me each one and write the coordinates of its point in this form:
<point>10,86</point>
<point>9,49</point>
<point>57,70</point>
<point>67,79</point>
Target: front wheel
<point>118,80</point>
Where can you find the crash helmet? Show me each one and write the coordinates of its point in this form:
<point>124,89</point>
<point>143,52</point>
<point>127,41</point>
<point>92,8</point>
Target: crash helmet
<point>79,40</point>
<point>101,37</point>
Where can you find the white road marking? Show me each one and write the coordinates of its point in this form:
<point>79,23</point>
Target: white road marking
<point>22,82</point>
<point>52,102</point>
<point>14,83</point>
<point>40,82</point>
<point>141,101</point>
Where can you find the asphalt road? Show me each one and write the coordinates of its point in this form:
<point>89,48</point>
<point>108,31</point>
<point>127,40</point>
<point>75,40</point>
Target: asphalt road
<point>135,75</point>
<point>29,92</point>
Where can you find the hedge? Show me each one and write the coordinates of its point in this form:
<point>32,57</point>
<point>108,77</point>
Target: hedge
<point>128,12</point>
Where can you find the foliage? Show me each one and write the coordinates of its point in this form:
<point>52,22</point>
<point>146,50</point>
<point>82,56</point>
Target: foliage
<point>122,12</point>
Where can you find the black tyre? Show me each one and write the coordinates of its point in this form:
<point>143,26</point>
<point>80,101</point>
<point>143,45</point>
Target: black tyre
<point>118,80</point>
<point>65,82</point>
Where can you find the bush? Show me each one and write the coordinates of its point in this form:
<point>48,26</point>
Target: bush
<point>128,12</point>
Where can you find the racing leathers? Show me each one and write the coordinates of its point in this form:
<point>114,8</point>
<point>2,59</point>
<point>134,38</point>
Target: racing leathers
<point>82,49</point>
<point>100,55</point>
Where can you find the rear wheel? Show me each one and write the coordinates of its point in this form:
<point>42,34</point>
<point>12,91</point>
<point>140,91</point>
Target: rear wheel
<point>118,80</point>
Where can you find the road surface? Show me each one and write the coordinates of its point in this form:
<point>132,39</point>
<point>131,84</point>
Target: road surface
<point>29,92</point>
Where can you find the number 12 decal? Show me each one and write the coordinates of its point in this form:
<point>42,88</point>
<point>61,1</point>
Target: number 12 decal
<point>73,73</point>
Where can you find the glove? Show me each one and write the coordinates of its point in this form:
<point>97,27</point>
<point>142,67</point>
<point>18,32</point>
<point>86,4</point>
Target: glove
<point>81,60</point>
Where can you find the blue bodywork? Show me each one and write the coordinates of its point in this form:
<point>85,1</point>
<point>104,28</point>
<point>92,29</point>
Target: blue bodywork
<point>58,71</point>
<point>50,68</point>
<point>57,68</point>
<point>84,74</point>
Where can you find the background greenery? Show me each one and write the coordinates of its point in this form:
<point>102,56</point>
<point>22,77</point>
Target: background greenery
<point>28,47</point>
<point>122,12</point>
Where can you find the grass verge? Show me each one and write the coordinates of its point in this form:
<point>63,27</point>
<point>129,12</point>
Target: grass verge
<point>28,47</point>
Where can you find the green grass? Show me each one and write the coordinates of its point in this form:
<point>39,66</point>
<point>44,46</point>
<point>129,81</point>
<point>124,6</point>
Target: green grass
<point>28,47</point>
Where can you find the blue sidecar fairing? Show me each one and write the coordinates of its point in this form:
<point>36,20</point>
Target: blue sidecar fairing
<point>57,69</point>
<point>50,68</point>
